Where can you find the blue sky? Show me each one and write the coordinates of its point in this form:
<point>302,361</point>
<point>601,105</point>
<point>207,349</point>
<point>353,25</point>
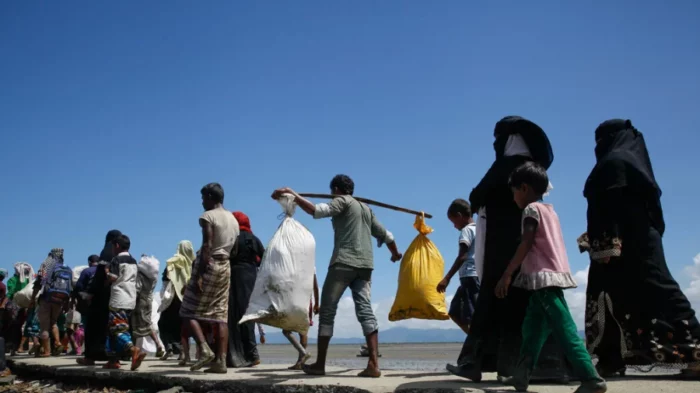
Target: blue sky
<point>115,114</point>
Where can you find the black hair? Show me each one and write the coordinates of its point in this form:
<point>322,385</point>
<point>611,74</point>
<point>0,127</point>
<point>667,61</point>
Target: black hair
<point>214,191</point>
<point>532,174</point>
<point>343,183</point>
<point>93,259</point>
<point>460,206</point>
<point>123,241</point>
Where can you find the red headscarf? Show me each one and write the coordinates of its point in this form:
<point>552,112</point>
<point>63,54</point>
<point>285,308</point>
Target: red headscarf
<point>243,221</point>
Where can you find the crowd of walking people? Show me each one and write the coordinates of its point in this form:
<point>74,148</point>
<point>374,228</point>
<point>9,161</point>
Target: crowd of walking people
<point>512,264</point>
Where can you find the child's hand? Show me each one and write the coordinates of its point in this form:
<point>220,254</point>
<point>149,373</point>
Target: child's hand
<point>396,257</point>
<point>502,286</point>
<point>262,340</point>
<point>316,309</point>
<point>442,285</point>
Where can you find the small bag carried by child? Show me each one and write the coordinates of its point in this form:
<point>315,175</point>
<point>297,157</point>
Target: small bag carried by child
<point>284,285</point>
<point>421,270</point>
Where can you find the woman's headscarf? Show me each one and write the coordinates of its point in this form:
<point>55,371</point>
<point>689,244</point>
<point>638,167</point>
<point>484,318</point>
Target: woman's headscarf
<point>3,274</point>
<point>24,271</point>
<point>107,253</point>
<point>179,266</point>
<point>243,221</point>
<point>622,160</point>
<point>54,259</point>
<point>534,137</point>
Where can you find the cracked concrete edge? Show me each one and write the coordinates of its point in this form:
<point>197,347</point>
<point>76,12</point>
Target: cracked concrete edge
<point>154,383</point>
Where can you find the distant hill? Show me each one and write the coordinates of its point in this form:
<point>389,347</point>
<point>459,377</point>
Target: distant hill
<point>393,336</point>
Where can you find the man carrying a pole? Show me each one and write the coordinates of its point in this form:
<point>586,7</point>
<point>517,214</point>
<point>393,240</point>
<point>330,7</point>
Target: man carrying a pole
<point>352,262</point>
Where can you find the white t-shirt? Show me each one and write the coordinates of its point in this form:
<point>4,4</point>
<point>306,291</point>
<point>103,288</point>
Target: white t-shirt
<point>225,228</point>
<point>123,293</point>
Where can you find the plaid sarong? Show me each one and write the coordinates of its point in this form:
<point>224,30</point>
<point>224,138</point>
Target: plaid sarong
<point>212,304</point>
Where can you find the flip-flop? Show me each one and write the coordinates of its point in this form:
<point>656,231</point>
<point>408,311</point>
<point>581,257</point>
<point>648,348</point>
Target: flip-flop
<point>203,361</point>
<point>367,374</point>
<point>137,360</point>
<point>112,366</point>
<point>312,371</point>
<point>85,362</point>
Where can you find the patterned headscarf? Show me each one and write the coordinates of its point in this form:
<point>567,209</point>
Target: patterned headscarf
<point>55,258</point>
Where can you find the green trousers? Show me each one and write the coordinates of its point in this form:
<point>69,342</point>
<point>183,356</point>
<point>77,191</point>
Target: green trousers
<point>548,313</point>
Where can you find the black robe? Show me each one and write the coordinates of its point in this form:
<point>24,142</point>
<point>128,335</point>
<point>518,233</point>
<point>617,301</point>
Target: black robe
<point>493,343</point>
<point>636,314</point>
<point>170,323</point>
<point>495,335</point>
<point>242,346</point>
<point>95,322</point>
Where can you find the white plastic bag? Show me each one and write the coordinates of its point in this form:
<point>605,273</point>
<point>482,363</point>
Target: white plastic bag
<point>24,297</point>
<point>284,285</point>
<point>167,293</point>
<point>146,343</point>
<point>76,273</point>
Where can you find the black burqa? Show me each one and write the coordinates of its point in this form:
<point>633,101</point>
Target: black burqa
<point>170,323</point>
<point>96,321</point>
<point>493,344</point>
<point>242,346</point>
<point>633,300</point>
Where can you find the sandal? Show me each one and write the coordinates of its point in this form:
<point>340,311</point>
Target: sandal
<point>112,365</point>
<point>85,362</point>
<point>57,350</point>
<point>160,353</point>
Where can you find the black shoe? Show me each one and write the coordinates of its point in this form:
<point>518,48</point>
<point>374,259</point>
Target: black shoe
<point>465,371</point>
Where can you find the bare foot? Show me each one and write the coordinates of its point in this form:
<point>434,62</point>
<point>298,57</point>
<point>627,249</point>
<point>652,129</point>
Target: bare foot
<point>314,369</point>
<point>370,372</point>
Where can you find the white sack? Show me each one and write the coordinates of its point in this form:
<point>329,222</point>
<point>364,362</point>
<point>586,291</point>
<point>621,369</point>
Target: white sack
<point>24,297</point>
<point>285,280</point>
<point>146,343</point>
<point>76,273</point>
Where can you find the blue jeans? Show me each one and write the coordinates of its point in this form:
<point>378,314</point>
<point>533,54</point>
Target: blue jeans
<point>339,278</point>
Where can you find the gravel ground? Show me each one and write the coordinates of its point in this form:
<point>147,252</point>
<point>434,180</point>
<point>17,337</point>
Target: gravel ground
<point>21,386</point>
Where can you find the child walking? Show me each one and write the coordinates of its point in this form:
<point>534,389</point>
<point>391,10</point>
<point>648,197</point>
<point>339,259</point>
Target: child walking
<point>121,273</point>
<point>544,269</point>
<point>464,301</point>
<point>303,342</point>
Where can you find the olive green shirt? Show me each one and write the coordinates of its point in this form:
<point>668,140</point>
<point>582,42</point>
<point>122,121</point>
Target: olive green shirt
<point>354,225</point>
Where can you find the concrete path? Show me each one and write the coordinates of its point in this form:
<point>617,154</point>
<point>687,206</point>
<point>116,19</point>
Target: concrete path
<point>156,375</point>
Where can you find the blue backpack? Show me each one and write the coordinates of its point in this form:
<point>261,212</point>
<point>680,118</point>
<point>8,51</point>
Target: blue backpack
<point>60,285</point>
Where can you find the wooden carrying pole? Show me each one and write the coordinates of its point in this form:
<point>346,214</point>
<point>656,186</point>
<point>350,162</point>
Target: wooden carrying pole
<point>369,202</point>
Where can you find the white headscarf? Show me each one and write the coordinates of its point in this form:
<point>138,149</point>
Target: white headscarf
<point>24,271</point>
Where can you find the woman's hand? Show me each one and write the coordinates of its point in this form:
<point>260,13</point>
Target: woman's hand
<point>316,309</point>
<point>502,286</point>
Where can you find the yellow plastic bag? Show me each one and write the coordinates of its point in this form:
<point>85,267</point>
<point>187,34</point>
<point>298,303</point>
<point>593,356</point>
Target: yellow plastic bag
<point>422,268</point>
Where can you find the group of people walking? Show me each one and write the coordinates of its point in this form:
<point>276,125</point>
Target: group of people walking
<point>517,320</point>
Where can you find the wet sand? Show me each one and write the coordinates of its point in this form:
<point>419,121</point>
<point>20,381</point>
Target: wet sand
<point>423,357</point>
<point>411,357</point>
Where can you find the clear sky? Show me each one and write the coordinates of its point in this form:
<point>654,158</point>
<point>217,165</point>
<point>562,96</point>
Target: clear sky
<point>115,114</point>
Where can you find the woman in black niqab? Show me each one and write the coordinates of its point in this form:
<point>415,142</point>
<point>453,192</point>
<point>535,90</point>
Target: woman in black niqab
<point>98,311</point>
<point>493,343</point>
<point>636,314</point>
